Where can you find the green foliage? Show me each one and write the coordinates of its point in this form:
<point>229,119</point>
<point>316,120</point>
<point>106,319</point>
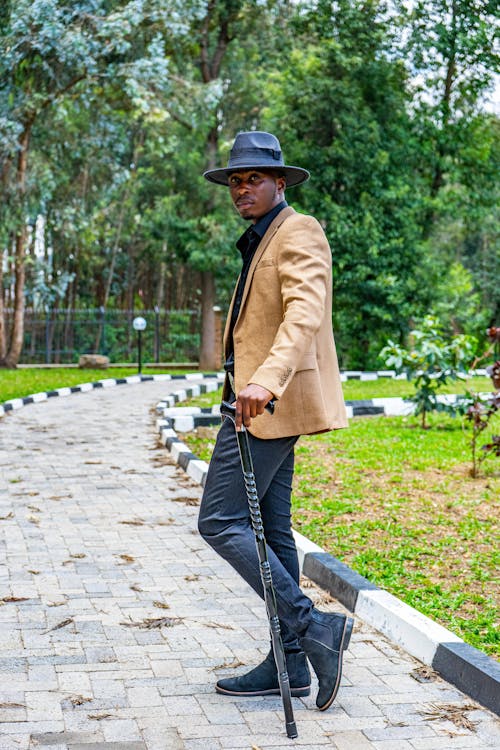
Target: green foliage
<point>340,104</point>
<point>431,361</point>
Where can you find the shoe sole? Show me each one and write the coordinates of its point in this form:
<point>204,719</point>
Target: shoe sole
<point>301,692</point>
<point>344,644</point>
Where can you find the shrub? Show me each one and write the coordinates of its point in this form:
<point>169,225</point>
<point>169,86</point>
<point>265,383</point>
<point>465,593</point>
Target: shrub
<point>431,361</point>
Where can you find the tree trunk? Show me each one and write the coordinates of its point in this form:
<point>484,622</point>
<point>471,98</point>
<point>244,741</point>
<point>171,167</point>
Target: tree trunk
<point>11,359</point>
<point>442,147</point>
<point>208,346</point>
<point>17,334</point>
<point>160,289</point>
<point>3,337</point>
<point>210,61</point>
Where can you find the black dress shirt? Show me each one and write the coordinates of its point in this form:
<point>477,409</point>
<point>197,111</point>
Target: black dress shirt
<point>247,245</point>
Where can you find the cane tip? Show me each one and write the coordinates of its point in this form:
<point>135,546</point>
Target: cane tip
<point>291,730</point>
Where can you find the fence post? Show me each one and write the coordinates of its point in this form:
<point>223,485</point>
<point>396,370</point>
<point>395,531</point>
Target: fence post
<point>47,335</point>
<point>102,312</point>
<point>157,334</point>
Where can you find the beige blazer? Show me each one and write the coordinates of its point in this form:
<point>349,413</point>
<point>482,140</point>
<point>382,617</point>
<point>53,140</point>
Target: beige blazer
<point>283,337</point>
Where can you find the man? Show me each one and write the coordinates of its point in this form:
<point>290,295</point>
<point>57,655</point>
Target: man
<point>278,345</point>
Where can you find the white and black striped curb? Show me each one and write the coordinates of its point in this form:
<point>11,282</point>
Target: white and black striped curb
<point>391,374</point>
<point>186,419</point>
<point>397,407</point>
<point>34,398</point>
<point>464,666</point>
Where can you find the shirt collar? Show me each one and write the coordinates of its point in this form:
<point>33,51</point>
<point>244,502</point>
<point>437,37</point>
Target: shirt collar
<point>262,225</point>
<point>255,232</point>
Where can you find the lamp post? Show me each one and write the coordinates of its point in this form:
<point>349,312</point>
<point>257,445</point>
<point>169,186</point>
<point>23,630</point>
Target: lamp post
<point>139,325</point>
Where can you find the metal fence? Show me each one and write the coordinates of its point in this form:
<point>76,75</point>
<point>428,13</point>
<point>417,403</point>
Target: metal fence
<point>60,336</point>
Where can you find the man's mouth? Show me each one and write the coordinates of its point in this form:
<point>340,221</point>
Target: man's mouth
<point>243,202</point>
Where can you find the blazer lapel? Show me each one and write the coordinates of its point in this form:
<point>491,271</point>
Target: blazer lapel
<point>271,231</point>
<point>228,319</point>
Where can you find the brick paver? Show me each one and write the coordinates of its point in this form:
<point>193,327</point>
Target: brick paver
<point>98,538</point>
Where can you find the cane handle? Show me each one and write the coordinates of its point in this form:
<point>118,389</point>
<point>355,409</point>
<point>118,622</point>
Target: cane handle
<point>229,410</point>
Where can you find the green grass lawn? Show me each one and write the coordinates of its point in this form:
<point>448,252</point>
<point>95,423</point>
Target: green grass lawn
<point>23,382</point>
<point>389,388</point>
<point>398,505</point>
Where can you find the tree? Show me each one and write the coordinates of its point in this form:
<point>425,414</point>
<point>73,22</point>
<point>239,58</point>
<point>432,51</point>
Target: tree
<point>49,51</point>
<point>221,44</point>
<point>341,108</point>
<point>451,58</point>
<point>452,52</point>
<point>131,101</point>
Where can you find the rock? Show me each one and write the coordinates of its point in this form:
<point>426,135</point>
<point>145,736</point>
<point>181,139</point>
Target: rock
<point>93,361</point>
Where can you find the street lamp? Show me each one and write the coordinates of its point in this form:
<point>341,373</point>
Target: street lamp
<point>139,325</point>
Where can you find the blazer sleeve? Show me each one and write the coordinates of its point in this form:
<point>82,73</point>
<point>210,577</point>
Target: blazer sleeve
<point>304,267</point>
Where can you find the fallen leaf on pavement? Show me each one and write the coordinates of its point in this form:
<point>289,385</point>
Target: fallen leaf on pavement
<point>424,674</point>
<point>185,500</point>
<point>228,665</point>
<point>127,558</point>
<point>60,625</point>
<point>99,717</point>
<point>154,622</point>
<point>453,712</point>
<point>161,605</point>
<point>78,700</point>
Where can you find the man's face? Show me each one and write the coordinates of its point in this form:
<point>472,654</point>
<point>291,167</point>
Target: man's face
<point>254,193</point>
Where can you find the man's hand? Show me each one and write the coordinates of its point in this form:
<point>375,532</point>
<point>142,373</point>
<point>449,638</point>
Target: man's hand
<point>251,402</point>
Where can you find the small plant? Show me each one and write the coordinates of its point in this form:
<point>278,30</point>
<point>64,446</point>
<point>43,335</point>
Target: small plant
<point>480,412</point>
<point>431,361</point>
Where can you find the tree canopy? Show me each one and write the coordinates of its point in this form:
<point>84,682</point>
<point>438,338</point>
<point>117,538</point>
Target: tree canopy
<point>110,111</point>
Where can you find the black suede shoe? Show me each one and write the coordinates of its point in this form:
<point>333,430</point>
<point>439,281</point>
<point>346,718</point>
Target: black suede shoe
<point>324,642</point>
<point>263,679</point>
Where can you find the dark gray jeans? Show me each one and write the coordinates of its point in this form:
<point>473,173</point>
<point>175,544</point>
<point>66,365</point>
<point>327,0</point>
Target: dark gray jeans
<point>224,522</point>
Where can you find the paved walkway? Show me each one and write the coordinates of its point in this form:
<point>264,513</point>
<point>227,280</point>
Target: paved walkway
<point>99,547</point>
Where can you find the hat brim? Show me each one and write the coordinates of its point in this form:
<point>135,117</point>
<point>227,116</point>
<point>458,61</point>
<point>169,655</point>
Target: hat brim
<point>293,175</point>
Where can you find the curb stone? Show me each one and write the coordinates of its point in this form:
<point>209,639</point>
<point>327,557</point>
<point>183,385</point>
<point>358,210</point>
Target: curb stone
<point>362,375</point>
<point>460,664</point>
<point>208,378</point>
<point>186,419</point>
<point>464,666</point>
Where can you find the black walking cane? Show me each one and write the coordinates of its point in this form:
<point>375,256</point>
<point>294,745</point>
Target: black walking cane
<point>228,410</point>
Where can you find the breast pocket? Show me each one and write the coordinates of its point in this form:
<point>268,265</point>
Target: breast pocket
<point>266,264</point>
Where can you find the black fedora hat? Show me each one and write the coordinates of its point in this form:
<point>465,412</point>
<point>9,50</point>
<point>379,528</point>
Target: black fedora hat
<point>257,150</point>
